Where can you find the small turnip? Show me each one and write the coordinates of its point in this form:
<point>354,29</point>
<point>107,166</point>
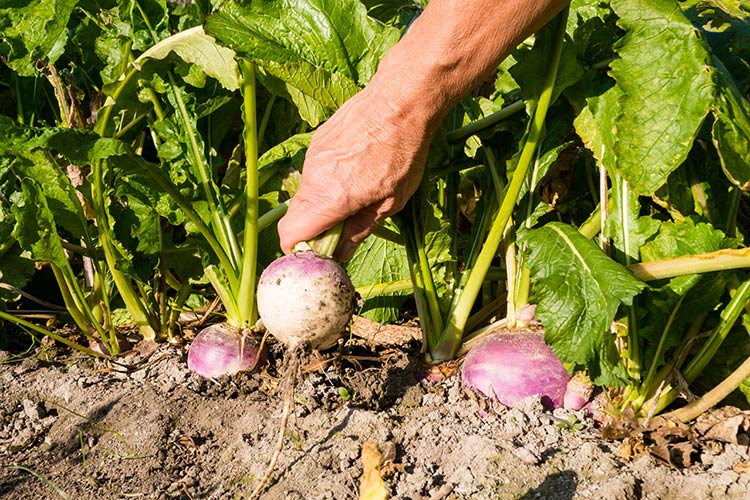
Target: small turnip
<point>220,349</point>
<point>511,365</point>
<point>305,297</point>
<point>578,392</point>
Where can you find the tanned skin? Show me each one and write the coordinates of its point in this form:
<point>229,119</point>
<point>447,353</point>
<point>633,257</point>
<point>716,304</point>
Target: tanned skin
<point>365,162</point>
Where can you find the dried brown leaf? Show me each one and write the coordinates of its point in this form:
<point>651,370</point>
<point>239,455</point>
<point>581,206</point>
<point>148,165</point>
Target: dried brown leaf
<point>384,334</point>
<point>371,484</point>
<point>742,467</point>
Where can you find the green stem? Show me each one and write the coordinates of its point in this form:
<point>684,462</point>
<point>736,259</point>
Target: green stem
<point>649,380</point>
<point>370,291</point>
<point>591,227</point>
<point>720,260</point>
<point>450,339</point>
<point>714,396</point>
<point>73,304</point>
<point>484,123</point>
<point>34,328</point>
<point>196,220</point>
<point>729,317</point>
<point>220,221</point>
<point>272,216</point>
<point>266,118</point>
<point>326,243</point>
<point>248,269</point>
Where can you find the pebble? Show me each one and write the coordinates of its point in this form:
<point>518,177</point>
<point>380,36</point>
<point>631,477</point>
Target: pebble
<point>35,411</point>
<point>23,439</point>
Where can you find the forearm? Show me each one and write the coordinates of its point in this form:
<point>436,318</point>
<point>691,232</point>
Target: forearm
<point>450,49</point>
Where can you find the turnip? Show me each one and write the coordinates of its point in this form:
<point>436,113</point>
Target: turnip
<point>219,350</point>
<point>307,298</point>
<point>511,365</point>
<point>578,392</point>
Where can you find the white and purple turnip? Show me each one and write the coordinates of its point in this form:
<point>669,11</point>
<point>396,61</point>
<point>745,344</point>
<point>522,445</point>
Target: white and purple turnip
<point>305,298</point>
<point>511,365</point>
<point>220,349</point>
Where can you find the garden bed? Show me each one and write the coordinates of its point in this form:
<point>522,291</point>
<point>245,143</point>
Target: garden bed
<point>148,428</point>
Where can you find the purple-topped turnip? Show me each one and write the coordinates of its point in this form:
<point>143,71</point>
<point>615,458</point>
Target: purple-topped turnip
<point>219,350</point>
<point>305,297</point>
<point>511,365</point>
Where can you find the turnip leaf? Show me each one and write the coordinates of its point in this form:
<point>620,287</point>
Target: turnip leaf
<point>315,91</point>
<point>578,290</point>
<point>33,32</point>
<point>646,125</point>
<point>731,130</point>
<point>196,47</point>
<point>318,53</point>
<point>379,261</point>
<point>35,228</point>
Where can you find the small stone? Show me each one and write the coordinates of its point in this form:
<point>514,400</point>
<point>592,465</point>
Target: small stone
<point>35,411</point>
<point>23,440</point>
<point>527,456</point>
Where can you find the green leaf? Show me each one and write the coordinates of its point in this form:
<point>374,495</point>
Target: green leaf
<point>316,92</point>
<point>645,126</point>
<point>379,261</point>
<point>322,50</point>
<point>36,31</point>
<point>526,72</point>
<point>332,34</point>
<point>194,46</point>
<point>578,291</point>
<point>683,238</point>
<point>26,153</point>
<point>35,228</point>
<point>16,270</point>
<point>148,20</point>
<point>731,130</point>
<point>139,213</point>
<point>625,226</point>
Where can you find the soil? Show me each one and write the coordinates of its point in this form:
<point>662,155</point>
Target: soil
<point>145,427</point>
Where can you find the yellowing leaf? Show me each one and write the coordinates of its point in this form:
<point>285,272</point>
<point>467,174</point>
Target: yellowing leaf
<point>196,47</point>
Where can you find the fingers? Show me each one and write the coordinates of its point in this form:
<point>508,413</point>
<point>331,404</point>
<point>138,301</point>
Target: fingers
<point>305,220</point>
<point>358,227</point>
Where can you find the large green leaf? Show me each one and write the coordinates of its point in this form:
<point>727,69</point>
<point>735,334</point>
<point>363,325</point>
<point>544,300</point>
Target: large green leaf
<point>322,50</point>
<point>195,47</point>
<point>648,122</point>
<point>315,91</point>
<point>27,153</point>
<point>379,261</point>
<point>33,31</point>
<point>35,228</point>
<point>332,34</point>
<point>731,130</point>
<point>578,290</point>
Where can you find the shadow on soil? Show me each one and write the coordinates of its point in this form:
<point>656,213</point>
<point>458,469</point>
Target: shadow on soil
<point>560,486</point>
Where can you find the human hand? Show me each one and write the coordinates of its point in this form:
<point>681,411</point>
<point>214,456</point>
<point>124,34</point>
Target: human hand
<point>362,166</point>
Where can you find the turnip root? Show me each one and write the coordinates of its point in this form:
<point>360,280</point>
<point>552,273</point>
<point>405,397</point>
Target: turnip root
<point>305,300</point>
<point>305,297</point>
<point>511,365</point>
<point>220,350</point>
<point>578,392</point>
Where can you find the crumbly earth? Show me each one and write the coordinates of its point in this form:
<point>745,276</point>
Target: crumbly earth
<point>145,427</point>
